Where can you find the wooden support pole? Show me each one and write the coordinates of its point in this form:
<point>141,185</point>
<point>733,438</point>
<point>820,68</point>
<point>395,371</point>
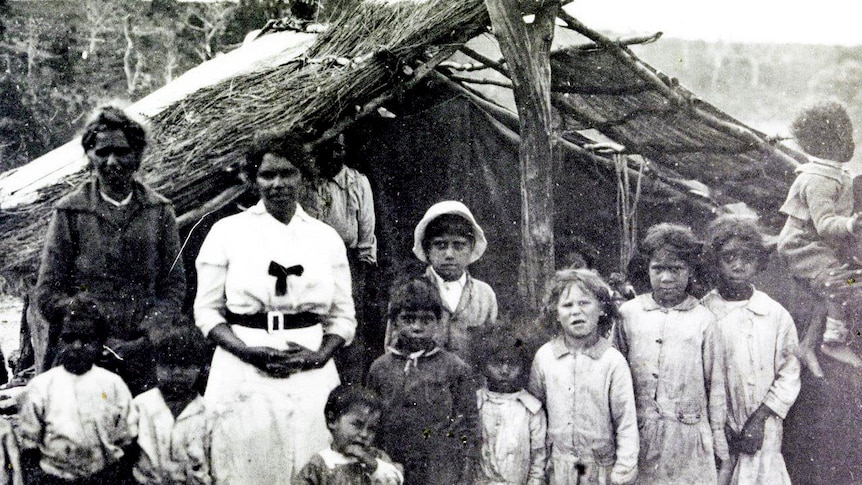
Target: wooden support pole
<point>526,48</point>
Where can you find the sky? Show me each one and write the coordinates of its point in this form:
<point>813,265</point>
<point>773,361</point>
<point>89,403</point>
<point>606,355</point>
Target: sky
<point>829,22</point>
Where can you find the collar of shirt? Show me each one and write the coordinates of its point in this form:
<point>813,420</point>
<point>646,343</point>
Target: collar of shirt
<point>649,304</point>
<point>758,304</point>
<point>531,403</point>
<point>333,458</point>
<point>116,203</point>
<point>342,179</point>
<point>260,209</point>
<point>595,351</point>
<point>830,163</point>
<point>450,290</point>
<point>193,408</point>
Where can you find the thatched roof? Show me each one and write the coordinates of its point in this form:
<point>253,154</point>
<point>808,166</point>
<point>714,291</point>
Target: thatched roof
<point>382,50</point>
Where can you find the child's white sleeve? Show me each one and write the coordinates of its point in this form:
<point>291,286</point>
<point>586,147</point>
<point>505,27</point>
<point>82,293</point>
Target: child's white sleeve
<point>624,417</point>
<point>538,448</point>
<point>785,388</point>
<point>30,419</point>
<point>387,474</point>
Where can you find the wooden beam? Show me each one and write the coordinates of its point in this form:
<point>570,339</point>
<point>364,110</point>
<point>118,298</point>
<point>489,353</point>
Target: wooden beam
<point>526,48</point>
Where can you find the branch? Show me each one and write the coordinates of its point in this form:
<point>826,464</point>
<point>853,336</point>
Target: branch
<point>483,80</point>
<point>495,65</point>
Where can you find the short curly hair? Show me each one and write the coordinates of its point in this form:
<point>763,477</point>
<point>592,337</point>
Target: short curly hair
<point>824,130</point>
<point>344,397</point>
<point>414,295</point>
<point>730,226</point>
<point>110,118</point>
<point>588,281</point>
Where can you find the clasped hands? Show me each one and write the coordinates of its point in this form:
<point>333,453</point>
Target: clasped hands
<point>282,363</point>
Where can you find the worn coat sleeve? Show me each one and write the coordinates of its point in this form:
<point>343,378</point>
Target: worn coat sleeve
<point>820,198</point>
<point>714,377</point>
<point>624,415</point>
<point>55,271</point>
<point>171,277</point>
<point>366,223</point>
<point>785,388</point>
<point>465,409</point>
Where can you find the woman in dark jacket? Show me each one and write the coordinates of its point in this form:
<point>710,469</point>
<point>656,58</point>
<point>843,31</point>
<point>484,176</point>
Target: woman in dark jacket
<point>116,239</point>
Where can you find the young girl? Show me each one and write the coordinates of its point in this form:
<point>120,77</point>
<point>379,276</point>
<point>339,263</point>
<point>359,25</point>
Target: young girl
<point>822,233</point>
<point>512,421</point>
<point>759,340</point>
<point>77,420</point>
<point>586,386</point>
<point>352,416</point>
<point>430,420</point>
<point>668,339</point>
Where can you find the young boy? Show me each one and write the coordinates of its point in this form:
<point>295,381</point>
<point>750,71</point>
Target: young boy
<point>173,424</point>
<point>430,420</point>
<point>512,421</point>
<point>449,239</point>
<point>758,339</point>
<point>821,237</point>
<point>352,416</point>
<point>77,419</point>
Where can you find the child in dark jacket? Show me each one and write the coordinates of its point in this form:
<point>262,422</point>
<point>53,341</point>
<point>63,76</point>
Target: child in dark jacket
<point>430,418</point>
<point>352,416</point>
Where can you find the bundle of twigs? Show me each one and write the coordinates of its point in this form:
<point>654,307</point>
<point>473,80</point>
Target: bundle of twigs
<point>361,57</point>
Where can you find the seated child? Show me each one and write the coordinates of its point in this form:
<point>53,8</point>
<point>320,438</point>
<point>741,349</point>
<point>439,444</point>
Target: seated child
<point>822,233</point>
<point>669,340</point>
<point>173,423</point>
<point>586,386</point>
<point>429,421</point>
<point>352,416</point>
<point>759,341</point>
<point>77,420</point>
<point>512,421</point>
<point>449,239</point>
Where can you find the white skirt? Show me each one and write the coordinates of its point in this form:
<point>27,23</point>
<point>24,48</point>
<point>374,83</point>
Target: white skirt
<point>267,428</point>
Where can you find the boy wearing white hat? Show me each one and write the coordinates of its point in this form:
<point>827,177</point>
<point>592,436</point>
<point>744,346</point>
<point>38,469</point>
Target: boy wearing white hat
<point>449,239</point>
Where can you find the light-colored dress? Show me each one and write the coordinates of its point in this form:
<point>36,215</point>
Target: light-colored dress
<point>592,424</point>
<point>679,389</point>
<point>513,439</point>
<point>173,450</point>
<point>79,423</point>
<point>267,428</point>
<point>759,340</point>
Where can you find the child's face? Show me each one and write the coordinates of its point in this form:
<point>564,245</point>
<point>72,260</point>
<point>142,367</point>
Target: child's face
<point>176,378</point>
<point>737,265</point>
<point>356,427</point>
<point>503,374</point>
<point>578,312</point>
<point>80,345</point>
<point>449,255</point>
<point>668,277</point>
<point>416,326</point>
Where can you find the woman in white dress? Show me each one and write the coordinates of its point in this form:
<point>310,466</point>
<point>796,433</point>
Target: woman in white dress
<point>274,295</point>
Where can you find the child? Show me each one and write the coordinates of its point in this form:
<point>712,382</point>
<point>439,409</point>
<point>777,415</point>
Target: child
<point>352,415</point>
<point>586,385</point>
<point>512,421</point>
<point>430,419</point>
<point>76,420</point>
<point>759,340</point>
<point>449,239</point>
<point>821,234</point>
<point>668,339</point>
<point>173,424</point>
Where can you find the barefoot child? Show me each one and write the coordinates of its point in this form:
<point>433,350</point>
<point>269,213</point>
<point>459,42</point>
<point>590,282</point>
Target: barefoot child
<point>430,420</point>
<point>449,240</point>
<point>669,341</point>
<point>512,421</point>
<point>352,415</point>
<point>173,423</point>
<point>586,386</point>
<point>822,233</point>
<point>759,340</point>
<point>77,420</point>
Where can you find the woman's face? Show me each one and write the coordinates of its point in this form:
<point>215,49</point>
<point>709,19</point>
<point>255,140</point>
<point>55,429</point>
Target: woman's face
<point>279,181</point>
<point>114,161</point>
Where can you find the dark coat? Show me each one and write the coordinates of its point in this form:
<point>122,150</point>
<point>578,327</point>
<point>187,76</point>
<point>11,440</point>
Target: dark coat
<point>125,257</point>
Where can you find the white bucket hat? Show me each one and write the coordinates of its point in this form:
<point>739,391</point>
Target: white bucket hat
<point>449,207</point>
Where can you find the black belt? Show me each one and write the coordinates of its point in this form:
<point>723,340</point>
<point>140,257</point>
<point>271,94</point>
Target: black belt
<point>272,321</point>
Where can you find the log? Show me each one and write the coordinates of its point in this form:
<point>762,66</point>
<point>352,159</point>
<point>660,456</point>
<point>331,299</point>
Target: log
<point>526,48</point>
